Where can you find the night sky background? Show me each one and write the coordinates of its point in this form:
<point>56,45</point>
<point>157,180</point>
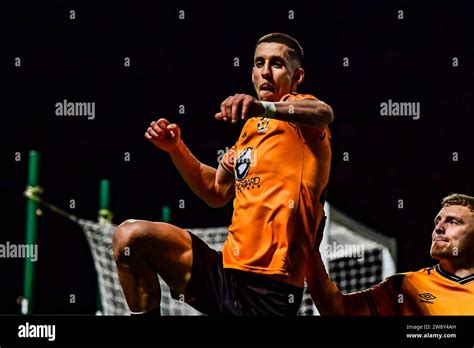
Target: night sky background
<point>190,62</point>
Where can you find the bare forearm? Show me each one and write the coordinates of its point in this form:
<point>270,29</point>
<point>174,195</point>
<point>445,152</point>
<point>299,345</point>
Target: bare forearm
<point>199,177</point>
<point>325,294</point>
<point>306,112</point>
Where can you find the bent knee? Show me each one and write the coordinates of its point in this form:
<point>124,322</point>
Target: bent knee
<point>139,235</point>
<point>125,235</point>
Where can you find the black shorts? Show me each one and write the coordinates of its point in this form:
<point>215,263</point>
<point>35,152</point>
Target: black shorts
<point>215,290</point>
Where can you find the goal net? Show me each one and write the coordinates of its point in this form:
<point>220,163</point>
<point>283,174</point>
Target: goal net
<point>355,256</point>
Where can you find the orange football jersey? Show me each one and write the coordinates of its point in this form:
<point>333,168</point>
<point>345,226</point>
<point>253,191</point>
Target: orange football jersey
<point>281,173</point>
<point>429,291</point>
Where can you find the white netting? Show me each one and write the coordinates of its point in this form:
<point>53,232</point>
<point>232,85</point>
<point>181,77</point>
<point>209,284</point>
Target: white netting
<point>215,238</point>
<point>100,237</point>
<point>356,256</point>
<point>354,263</point>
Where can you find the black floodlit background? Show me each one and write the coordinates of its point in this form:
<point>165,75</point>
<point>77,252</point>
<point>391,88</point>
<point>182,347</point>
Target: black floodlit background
<point>190,62</point>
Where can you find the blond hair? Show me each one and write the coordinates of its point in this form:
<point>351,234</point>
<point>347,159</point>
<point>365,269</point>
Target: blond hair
<point>458,199</point>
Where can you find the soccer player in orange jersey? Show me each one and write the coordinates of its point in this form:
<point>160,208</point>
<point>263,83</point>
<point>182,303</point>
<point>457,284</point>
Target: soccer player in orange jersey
<point>444,289</point>
<point>276,172</point>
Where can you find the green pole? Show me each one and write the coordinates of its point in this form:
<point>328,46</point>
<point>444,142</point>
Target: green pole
<point>105,214</point>
<point>104,194</point>
<point>31,233</point>
<point>166,214</point>
<point>105,217</point>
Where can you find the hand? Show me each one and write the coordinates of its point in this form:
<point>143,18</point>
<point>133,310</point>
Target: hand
<point>163,135</point>
<point>240,107</point>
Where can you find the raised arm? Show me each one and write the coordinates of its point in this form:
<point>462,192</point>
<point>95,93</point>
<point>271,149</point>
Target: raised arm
<point>380,299</point>
<point>213,186</point>
<point>326,295</point>
<point>306,112</point>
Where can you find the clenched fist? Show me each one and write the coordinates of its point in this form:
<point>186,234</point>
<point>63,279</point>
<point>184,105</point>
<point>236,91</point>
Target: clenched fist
<point>163,134</point>
<point>240,107</point>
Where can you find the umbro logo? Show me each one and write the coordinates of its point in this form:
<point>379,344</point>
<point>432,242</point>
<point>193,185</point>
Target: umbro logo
<point>427,298</point>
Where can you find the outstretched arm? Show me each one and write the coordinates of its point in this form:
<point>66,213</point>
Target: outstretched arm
<point>306,112</point>
<point>326,295</point>
<point>331,301</point>
<point>213,186</point>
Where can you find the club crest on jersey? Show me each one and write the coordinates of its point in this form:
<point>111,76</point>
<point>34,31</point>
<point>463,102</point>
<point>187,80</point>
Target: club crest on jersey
<point>262,125</point>
<point>242,166</point>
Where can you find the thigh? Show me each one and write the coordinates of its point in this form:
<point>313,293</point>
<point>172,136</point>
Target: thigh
<point>167,249</point>
<point>210,290</point>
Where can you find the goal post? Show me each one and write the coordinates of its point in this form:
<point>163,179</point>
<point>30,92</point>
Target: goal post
<point>356,258</point>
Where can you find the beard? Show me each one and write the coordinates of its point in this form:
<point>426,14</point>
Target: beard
<point>441,250</point>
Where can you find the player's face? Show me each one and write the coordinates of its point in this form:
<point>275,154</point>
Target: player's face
<point>273,73</point>
<point>453,235</point>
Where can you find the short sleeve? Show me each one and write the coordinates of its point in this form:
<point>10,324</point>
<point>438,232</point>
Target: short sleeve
<point>384,298</point>
<point>228,160</point>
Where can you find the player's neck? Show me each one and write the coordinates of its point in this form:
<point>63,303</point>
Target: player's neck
<point>460,270</point>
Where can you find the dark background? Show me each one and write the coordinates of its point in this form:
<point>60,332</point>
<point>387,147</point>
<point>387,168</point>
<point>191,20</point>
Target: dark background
<point>190,62</point>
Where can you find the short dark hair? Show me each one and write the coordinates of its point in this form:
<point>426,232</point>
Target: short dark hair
<point>295,52</point>
<point>458,199</point>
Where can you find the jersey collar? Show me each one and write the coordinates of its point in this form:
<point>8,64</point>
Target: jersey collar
<point>453,277</point>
